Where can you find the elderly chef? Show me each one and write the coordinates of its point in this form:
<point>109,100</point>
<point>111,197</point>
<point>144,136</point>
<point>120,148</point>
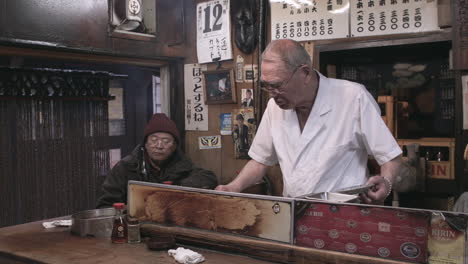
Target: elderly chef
<point>320,131</point>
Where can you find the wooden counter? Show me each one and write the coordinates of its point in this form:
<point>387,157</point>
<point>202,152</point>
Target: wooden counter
<point>32,243</point>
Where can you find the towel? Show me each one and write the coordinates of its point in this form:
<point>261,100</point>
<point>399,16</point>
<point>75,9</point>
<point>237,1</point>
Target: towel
<point>462,204</point>
<point>186,256</point>
<point>57,223</point>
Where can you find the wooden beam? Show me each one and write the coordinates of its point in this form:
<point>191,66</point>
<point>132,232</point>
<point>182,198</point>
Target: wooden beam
<point>262,249</point>
<point>63,55</point>
<point>383,41</point>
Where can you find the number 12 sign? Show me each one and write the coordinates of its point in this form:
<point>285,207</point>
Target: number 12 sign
<point>213,35</point>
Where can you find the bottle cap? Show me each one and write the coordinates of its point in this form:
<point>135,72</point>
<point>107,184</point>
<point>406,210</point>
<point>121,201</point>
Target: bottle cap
<point>119,205</point>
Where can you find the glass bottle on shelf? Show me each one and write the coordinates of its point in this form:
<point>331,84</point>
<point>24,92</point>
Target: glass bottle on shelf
<point>428,155</point>
<point>119,229</point>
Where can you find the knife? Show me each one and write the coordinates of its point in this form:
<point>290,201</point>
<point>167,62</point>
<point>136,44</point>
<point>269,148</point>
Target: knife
<point>355,189</point>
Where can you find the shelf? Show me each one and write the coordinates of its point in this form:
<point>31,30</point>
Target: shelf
<point>441,186</point>
<point>384,40</point>
<point>64,98</point>
<point>428,142</point>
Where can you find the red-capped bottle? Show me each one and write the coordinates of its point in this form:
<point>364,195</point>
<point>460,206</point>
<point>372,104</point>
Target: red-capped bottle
<point>119,230</point>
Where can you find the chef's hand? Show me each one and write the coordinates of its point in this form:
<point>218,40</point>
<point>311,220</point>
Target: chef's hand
<point>227,188</point>
<point>378,193</point>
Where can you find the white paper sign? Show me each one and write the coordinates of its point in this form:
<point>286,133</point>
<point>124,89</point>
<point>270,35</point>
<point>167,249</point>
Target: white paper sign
<point>196,112</point>
<point>213,31</point>
<point>114,157</point>
<point>382,17</point>
<point>309,20</point>
<point>465,101</point>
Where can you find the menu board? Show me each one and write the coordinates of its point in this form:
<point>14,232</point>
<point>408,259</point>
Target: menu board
<point>309,20</point>
<point>382,17</point>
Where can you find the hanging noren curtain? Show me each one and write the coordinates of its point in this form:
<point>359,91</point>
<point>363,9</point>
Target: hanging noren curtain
<point>53,126</point>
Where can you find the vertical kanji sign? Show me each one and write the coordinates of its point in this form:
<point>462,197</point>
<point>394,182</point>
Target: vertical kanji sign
<point>196,112</point>
<point>213,31</point>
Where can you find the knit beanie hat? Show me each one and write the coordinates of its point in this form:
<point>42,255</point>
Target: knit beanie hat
<point>161,123</point>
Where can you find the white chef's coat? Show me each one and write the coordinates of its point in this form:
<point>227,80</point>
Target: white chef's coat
<point>343,128</point>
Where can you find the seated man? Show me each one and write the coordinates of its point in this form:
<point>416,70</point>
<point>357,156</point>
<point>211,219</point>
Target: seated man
<point>158,160</point>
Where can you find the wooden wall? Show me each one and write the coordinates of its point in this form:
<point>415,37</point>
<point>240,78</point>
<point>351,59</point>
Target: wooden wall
<point>83,26</point>
<point>220,161</point>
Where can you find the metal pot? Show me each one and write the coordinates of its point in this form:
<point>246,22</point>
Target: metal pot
<point>95,223</point>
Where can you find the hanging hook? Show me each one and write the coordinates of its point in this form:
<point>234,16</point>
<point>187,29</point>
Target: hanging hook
<point>218,63</point>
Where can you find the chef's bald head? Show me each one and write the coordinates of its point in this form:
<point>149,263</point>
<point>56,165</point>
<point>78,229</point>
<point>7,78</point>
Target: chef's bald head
<point>288,51</point>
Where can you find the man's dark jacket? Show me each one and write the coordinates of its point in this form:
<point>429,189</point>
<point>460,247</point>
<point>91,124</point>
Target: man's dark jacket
<point>178,169</point>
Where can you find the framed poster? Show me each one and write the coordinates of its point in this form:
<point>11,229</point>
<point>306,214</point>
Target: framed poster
<point>220,87</point>
<point>244,128</point>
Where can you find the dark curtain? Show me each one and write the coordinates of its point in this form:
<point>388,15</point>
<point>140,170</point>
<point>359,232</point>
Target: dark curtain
<point>51,161</point>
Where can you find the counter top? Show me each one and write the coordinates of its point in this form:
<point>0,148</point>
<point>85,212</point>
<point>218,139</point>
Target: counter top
<point>32,243</point>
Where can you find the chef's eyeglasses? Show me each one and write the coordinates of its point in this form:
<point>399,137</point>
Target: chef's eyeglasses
<point>154,141</point>
<point>278,88</point>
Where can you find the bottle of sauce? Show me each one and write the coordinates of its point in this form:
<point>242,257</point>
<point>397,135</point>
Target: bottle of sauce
<point>119,229</point>
<point>133,230</point>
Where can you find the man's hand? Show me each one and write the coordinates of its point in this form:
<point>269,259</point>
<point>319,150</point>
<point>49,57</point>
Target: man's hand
<point>252,173</point>
<point>226,188</point>
<point>378,193</point>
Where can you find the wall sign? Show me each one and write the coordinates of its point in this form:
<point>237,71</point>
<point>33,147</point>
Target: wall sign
<point>382,17</point>
<point>460,34</point>
<point>250,72</point>
<point>196,112</point>
<point>226,124</point>
<point>239,69</point>
<point>465,101</point>
<point>209,142</point>
<point>327,19</point>
<point>213,31</point>
<point>310,20</point>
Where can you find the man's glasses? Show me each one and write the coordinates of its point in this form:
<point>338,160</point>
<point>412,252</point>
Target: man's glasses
<point>156,141</point>
<point>277,88</point>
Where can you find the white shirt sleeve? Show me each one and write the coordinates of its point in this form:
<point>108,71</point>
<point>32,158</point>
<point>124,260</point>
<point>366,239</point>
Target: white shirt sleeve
<point>262,149</point>
<point>376,137</point>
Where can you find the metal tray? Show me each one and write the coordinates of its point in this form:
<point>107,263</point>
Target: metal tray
<point>333,197</point>
<point>95,223</point>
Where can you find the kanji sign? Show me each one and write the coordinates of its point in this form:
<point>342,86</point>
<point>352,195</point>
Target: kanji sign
<point>309,20</point>
<point>196,112</point>
<point>213,31</point>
